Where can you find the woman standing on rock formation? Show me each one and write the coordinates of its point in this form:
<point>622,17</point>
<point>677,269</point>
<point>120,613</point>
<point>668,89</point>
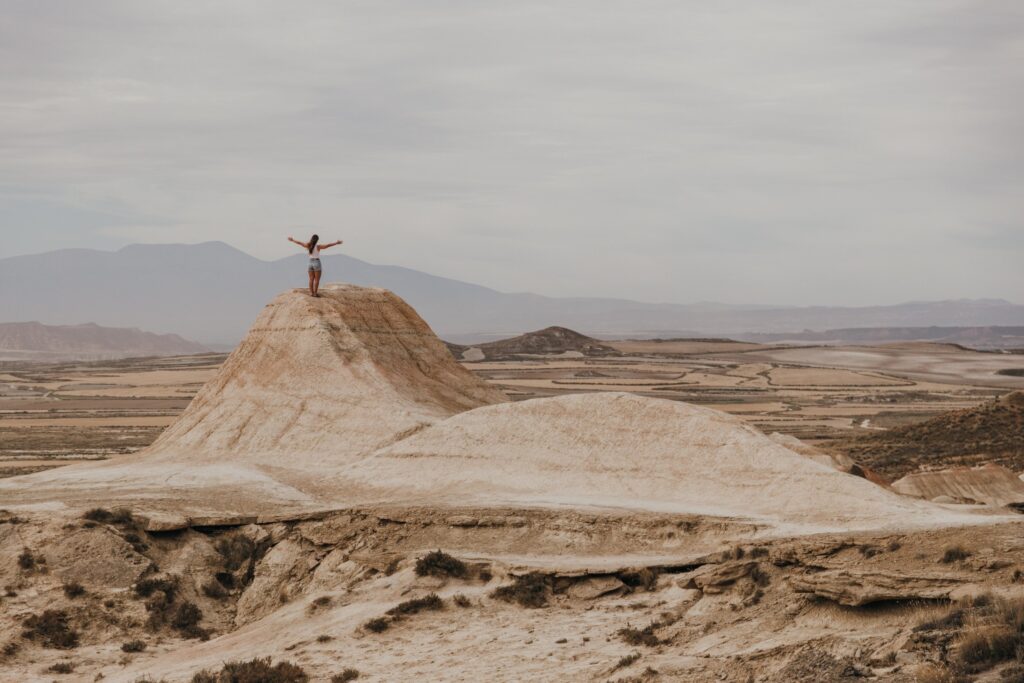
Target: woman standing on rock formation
<point>315,269</point>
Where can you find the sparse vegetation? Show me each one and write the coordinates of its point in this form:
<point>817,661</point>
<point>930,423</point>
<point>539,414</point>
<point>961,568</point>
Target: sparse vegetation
<point>461,600</point>
<point>147,587</point>
<point>26,560</point>
<point>324,638</point>
<point>137,543</point>
<point>345,676</point>
<point>236,549</point>
<point>10,649</point>
<point>637,636</point>
<point>936,673</point>
<point>186,618</point>
<point>429,602</point>
<point>954,553</point>
<point>214,589</point>
<point>116,517</point>
<point>378,624</point>
<point>133,646</point>
<point>254,671</point>
<point>627,660</point>
<point>73,589</point>
<point>320,603</point>
<point>441,564</point>
<point>528,590</point>
<point>51,629</point>
<point>61,668</point>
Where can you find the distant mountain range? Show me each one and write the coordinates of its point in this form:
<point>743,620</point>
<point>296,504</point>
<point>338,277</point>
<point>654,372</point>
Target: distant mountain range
<point>35,341</point>
<point>212,292</point>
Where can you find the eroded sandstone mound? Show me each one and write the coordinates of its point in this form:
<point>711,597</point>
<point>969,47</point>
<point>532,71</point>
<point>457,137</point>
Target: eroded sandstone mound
<point>324,380</point>
<point>989,484</point>
<point>623,450</point>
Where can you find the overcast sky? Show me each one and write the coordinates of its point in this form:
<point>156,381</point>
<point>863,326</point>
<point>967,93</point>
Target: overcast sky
<point>792,152</point>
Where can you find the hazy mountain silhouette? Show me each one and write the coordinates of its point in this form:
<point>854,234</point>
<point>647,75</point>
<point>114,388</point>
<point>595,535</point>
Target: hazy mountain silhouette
<point>35,341</point>
<point>211,292</point>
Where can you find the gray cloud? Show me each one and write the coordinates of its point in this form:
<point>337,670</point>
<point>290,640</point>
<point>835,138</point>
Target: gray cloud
<point>799,152</point>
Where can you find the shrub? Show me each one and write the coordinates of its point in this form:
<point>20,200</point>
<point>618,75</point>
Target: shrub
<point>954,553</point>
<point>935,673</point>
<point>226,579</point>
<point>461,600</point>
<point>377,625</point>
<point>441,564</point>
<point>51,628</point>
<point>215,590</point>
<point>993,633</point>
<point>119,516</point>
<point>430,602</point>
<point>136,542</point>
<point>236,550</point>
<point>26,560</point>
<point>10,649</point>
<point>61,668</point>
<point>324,638</point>
<point>147,587</point>
<point>186,618</point>
<point>254,671</point>
<point>320,603</point>
<point>528,590</point>
<point>345,676</point>
<point>133,646</point>
<point>636,636</point>
<point>74,589</point>
<point>627,660</point>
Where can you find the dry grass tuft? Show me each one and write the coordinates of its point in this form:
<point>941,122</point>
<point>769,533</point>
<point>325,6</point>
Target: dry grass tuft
<point>441,564</point>
<point>461,600</point>
<point>378,625</point>
<point>430,602</point>
<point>637,636</point>
<point>117,517</point>
<point>73,589</point>
<point>61,668</point>
<point>935,673</point>
<point>528,590</point>
<point>954,553</point>
<point>133,646</point>
<point>51,629</point>
<point>254,671</point>
<point>345,676</point>
<point>236,550</point>
<point>627,660</point>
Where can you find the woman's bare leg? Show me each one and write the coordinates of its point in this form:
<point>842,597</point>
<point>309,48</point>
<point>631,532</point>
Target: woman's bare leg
<point>312,274</point>
<point>316,283</point>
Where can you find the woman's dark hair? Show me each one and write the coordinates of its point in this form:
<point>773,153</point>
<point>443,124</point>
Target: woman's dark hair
<point>312,242</point>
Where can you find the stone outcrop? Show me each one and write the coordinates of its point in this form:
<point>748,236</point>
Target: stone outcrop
<point>988,484</point>
<point>861,587</point>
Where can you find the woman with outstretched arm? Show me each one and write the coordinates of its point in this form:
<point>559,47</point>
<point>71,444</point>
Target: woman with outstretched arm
<point>315,269</point>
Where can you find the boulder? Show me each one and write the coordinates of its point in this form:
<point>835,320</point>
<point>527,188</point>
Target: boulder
<point>594,587</point>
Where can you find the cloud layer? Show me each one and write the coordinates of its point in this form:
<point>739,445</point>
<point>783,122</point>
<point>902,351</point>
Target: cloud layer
<point>798,152</point>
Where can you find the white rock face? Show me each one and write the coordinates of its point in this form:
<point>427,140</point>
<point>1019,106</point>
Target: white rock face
<point>622,450</point>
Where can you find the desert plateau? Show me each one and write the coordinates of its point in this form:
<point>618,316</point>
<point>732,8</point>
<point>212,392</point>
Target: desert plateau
<point>346,495</point>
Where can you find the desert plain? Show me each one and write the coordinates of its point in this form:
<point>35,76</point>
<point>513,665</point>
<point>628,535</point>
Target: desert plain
<point>352,499</point>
